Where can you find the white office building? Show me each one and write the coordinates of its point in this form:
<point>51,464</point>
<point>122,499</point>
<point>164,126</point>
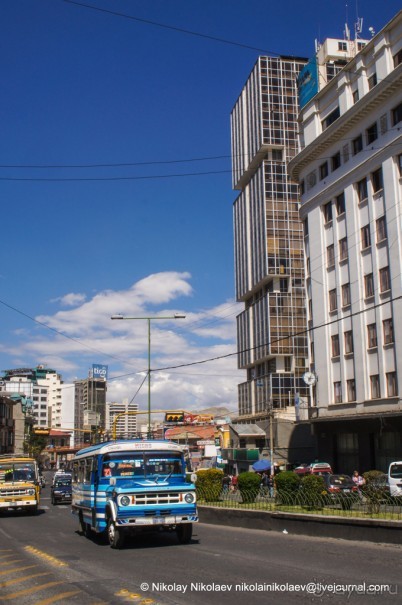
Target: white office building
<point>121,418</point>
<point>350,175</point>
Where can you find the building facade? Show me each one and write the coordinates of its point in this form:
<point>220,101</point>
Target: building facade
<point>268,239</point>
<point>121,418</point>
<point>89,409</point>
<point>350,170</point>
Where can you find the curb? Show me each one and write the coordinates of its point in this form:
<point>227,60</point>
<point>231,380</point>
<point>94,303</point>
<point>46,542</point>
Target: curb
<point>371,530</point>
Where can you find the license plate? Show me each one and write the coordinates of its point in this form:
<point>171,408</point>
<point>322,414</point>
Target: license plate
<point>158,520</point>
<point>346,491</point>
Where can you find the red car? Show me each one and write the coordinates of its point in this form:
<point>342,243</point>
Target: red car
<point>315,468</point>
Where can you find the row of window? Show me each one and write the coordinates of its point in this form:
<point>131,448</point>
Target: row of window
<point>375,388</point>
<point>365,238</point>
<point>384,282</point>
<point>372,342</point>
<point>369,137</point>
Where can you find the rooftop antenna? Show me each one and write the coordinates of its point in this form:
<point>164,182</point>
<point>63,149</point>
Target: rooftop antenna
<point>347,32</point>
<point>359,23</point>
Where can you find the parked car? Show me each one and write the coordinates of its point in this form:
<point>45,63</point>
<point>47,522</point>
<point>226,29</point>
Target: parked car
<point>61,489</point>
<point>315,468</point>
<point>341,489</point>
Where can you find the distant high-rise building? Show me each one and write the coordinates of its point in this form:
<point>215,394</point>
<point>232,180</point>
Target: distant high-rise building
<point>43,386</point>
<point>121,418</point>
<point>89,408</point>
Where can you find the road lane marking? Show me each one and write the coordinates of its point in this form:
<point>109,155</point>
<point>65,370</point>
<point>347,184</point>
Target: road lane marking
<point>16,580</point>
<point>29,591</point>
<point>43,555</point>
<point>8,571</point>
<point>58,597</point>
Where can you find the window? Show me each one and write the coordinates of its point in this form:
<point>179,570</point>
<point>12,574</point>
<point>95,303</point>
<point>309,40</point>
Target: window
<point>397,114</point>
<point>343,249</point>
<point>381,229</point>
<point>305,227</point>
<point>400,164</point>
<point>365,237</point>
<point>355,96</point>
<point>333,304</point>
<point>371,133</point>
<point>388,331</point>
<point>340,204</point>
<point>334,115</point>
<point>375,386</point>
<point>360,45</point>
<point>376,180</point>
<point>372,336</point>
<point>385,280</point>
<point>327,209</point>
<point>323,170</point>
<point>372,81</point>
<point>350,384</point>
<point>357,144</point>
<point>345,153</point>
<point>302,187</point>
<point>335,345</point>
<point>368,285</point>
<point>336,161</point>
<point>330,256</point>
<point>348,338</point>
<point>337,392</point>
<point>398,58</point>
<point>346,295</point>
<point>392,387</point>
<point>343,46</point>
<point>362,190</point>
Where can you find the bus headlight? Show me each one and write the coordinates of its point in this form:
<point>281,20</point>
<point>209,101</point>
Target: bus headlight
<point>30,492</point>
<point>189,498</point>
<point>124,501</point>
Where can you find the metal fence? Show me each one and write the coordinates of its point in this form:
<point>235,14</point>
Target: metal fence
<point>367,504</point>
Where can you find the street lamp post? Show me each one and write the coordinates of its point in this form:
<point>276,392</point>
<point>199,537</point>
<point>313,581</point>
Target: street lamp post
<point>149,319</point>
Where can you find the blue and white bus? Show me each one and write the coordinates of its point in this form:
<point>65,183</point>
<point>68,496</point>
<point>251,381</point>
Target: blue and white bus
<point>126,487</point>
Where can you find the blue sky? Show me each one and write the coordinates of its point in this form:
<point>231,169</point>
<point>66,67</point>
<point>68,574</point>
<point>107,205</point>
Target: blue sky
<point>100,112</point>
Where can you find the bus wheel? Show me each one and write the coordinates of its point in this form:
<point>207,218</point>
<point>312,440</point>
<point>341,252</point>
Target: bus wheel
<point>184,532</point>
<point>115,535</point>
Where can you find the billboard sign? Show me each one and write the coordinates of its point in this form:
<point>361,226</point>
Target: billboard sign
<point>99,371</point>
<point>307,82</point>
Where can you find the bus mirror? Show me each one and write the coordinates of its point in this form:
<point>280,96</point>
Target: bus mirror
<point>112,481</point>
<point>194,477</point>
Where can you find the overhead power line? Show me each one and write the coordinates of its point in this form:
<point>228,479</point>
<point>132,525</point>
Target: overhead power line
<point>170,27</point>
<point>114,178</point>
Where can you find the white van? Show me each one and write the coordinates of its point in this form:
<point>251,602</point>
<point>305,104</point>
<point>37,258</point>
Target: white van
<point>395,478</point>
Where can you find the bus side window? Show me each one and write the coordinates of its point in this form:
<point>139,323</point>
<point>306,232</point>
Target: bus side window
<point>88,469</point>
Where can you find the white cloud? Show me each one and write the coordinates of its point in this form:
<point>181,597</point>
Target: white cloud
<point>87,335</point>
<point>70,300</point>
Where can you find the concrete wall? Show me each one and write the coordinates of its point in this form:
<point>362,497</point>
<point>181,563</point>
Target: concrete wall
<point>308,525</point>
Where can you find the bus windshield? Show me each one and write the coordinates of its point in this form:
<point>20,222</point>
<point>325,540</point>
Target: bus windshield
<point>148,465</point>
<point>17,471</point>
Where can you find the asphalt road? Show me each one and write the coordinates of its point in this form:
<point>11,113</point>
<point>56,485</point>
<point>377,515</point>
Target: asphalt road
<point>44,559</point>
